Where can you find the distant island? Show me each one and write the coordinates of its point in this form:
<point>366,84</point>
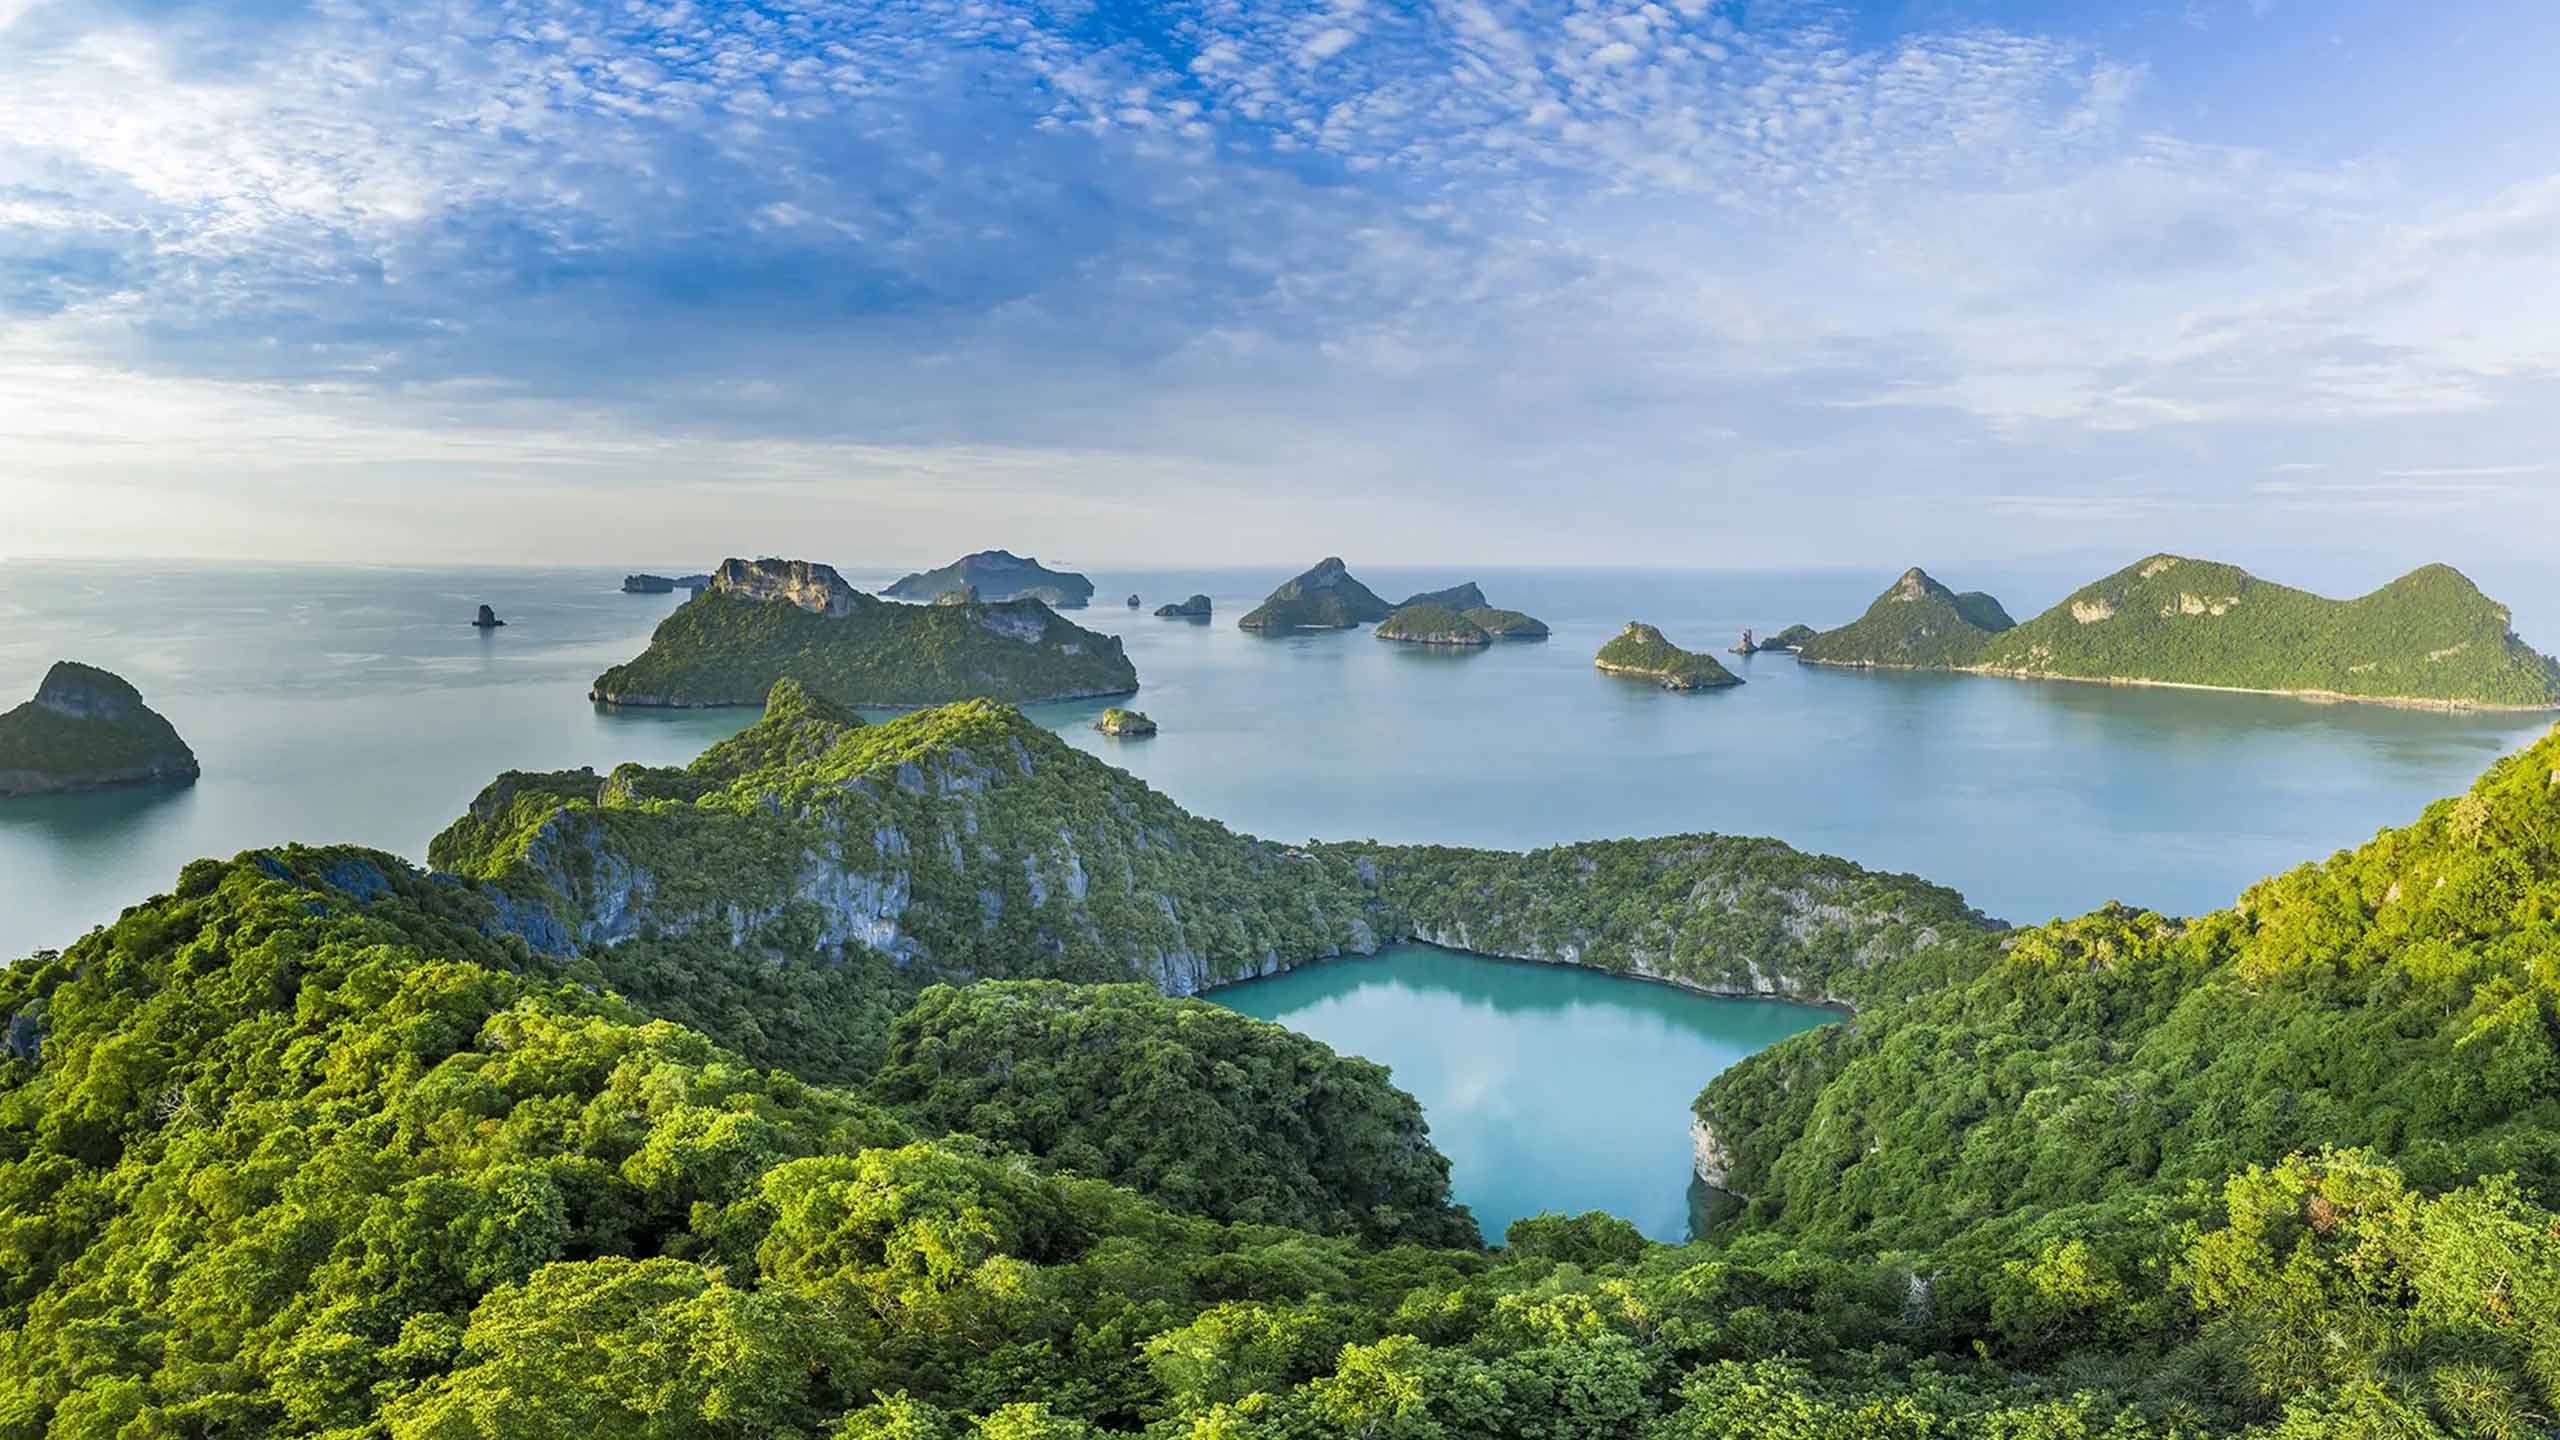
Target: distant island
<point>1506,624</point>
<point>766,619</point>
<point>1461,598</point>
<point>1324,598</point>
<point>1640,651</point>
<point>1116,721</point>
<point>87,729</point>
<point>2427,638</point>
<point>1432,625</point>
<point>998,575</point>
<point>1195,608</point>
<point>648,585</point>
<point>1916,623</point>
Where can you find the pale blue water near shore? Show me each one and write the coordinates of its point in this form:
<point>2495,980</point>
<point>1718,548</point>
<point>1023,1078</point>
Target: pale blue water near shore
<point>357,705</point>
<point>1547,1088</point>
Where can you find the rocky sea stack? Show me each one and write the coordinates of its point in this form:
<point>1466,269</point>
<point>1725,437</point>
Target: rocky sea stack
<point>1195,608</point>
<point>1432,625</point>
<point>1116,721</point>
<point>88,729</point>
<point>1641,652</point>
<point>998,575</point>
<point>765,619</point>
<point>1324,598</point>
<point>487,619</point>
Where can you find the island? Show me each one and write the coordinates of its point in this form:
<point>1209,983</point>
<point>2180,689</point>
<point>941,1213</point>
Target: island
<point>487,619</point>
<point>87,729</point>
<point>1790,639</point>
<point>1916,623</point>
<point>648,585</point>
<point>1116,721</point>
<point>763,620</point>
<point>998,575</point>
<point>1640,652</point>
<point>1134,602</point>
<point>1324,598</point>
<point>2429,638</point>
<point>1460,598</point>
<point>1506,624</point>
<point>1427,624</point>
<point>1195,608</point>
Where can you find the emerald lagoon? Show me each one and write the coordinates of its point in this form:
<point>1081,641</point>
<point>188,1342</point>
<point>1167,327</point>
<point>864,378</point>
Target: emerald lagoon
<point>1547,1086</point>
<point>343,704</point>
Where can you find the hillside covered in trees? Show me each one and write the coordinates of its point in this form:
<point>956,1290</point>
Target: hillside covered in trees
<point>317,1144</point>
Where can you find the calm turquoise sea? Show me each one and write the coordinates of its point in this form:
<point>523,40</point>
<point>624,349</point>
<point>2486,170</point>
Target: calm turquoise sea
<point>358,705</point>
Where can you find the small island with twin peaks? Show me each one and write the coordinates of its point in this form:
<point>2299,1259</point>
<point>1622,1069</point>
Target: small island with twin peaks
<point>997,576</point>
<point>762,620</point>
<point>2428,638</point>
<point>1326,597</point>
<point>87,729</point>
<point>1640,652</point>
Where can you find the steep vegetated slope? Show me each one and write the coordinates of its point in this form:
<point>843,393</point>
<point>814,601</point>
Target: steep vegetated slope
<point>2429,635</point>
<point>86,729</point>
<point>1916,622</point>
<point>969,843</point>
<point>1217,1113</point>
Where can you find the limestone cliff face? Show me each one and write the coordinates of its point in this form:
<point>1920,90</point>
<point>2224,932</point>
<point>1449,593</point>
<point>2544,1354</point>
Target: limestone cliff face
<point>1713,1161</point>
<point>813,587</point>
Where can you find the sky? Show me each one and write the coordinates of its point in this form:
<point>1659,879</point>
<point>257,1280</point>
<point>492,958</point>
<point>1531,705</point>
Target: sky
<point>1774,284</point>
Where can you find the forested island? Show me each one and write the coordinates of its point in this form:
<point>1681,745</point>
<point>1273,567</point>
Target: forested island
<point>87,729</point>
<point>2427,638</point>
<point>761,620</point>
<point>1325,597</point>
<point>996,576</point>
<point>1641,652</point>
<point>648,1119</point>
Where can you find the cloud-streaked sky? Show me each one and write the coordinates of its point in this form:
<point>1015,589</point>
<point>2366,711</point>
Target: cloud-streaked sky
<point>1775,283</point>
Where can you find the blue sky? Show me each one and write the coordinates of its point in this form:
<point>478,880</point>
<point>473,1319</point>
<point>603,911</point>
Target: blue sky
<point>1776,283</point>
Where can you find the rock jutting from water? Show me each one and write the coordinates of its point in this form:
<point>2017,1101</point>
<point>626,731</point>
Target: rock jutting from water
<point>1134,602</point>
<point>1195,608</point>
<point>87,729</point>
<point>647,585</point>
<point>487,619</point>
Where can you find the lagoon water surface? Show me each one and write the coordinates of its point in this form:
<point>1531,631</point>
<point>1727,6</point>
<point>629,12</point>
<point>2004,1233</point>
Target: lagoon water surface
<point>1548,1087</point>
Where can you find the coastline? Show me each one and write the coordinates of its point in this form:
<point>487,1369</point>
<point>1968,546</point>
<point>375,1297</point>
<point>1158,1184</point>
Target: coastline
<point>2317,697</point>
<point>658,702</point>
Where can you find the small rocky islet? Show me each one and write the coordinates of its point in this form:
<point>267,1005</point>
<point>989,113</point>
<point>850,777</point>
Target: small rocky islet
<point>1194,608</point>
<point>1129,723</point>
<point>1640,652</point>
<point>487,619</point>
<point>1328,597</point>
<point>88,729</point>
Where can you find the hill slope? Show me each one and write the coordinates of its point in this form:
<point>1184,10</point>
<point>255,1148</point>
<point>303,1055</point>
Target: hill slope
<point>1641,651</point>
<point>1916,622</point>
<point>86,729</point>
<point>996,575</point>
<point>1324,598</point>
<point>2428,636</point>
<point>759,622</point>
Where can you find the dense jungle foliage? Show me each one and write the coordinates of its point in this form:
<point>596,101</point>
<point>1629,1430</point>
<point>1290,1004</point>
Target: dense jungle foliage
<point>111,739</point>
<point>317,1145</point>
